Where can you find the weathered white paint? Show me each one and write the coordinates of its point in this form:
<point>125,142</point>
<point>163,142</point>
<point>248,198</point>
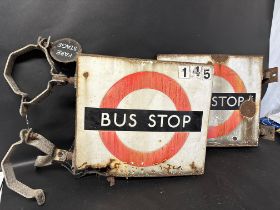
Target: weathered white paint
<point>249,69</point>
<point>96,75</point>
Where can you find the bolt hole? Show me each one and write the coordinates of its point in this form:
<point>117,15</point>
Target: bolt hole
<point>234,138</point>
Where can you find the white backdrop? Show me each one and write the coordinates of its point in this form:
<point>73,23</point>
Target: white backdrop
<point>271,101</point>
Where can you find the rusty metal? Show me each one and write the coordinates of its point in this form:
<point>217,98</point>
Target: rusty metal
<point>234,74</point>
<point>267,132</point>
<point>220,58</point>
<point>57,78</point>
<point>248,108</point>
<point>96,76</point>
<point>270,75</point>
<point>52,155</point>
<point>10,177</point>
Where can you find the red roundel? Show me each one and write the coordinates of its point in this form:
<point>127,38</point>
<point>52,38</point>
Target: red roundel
<point>133,82</point>
<point>238,86</point>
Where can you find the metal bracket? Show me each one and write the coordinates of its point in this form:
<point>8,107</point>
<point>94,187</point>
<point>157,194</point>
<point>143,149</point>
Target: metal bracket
<point>270,75</point>
<point>52,155</point>
<point>267,132</point>
<point>57,79</point>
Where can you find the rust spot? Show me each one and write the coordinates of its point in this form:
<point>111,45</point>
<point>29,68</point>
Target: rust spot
<point>60,154</point>
<point>170,168</point>
<point>83,164</point>
<point>179,167</point>
<point>85,74</point>
<point>32,136</point>
<point>248,108</point>
<point>103,167</point>
<point>193,166</point>
<point>113,164</point>
<point>218,58</point>
<point>116,165</point>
